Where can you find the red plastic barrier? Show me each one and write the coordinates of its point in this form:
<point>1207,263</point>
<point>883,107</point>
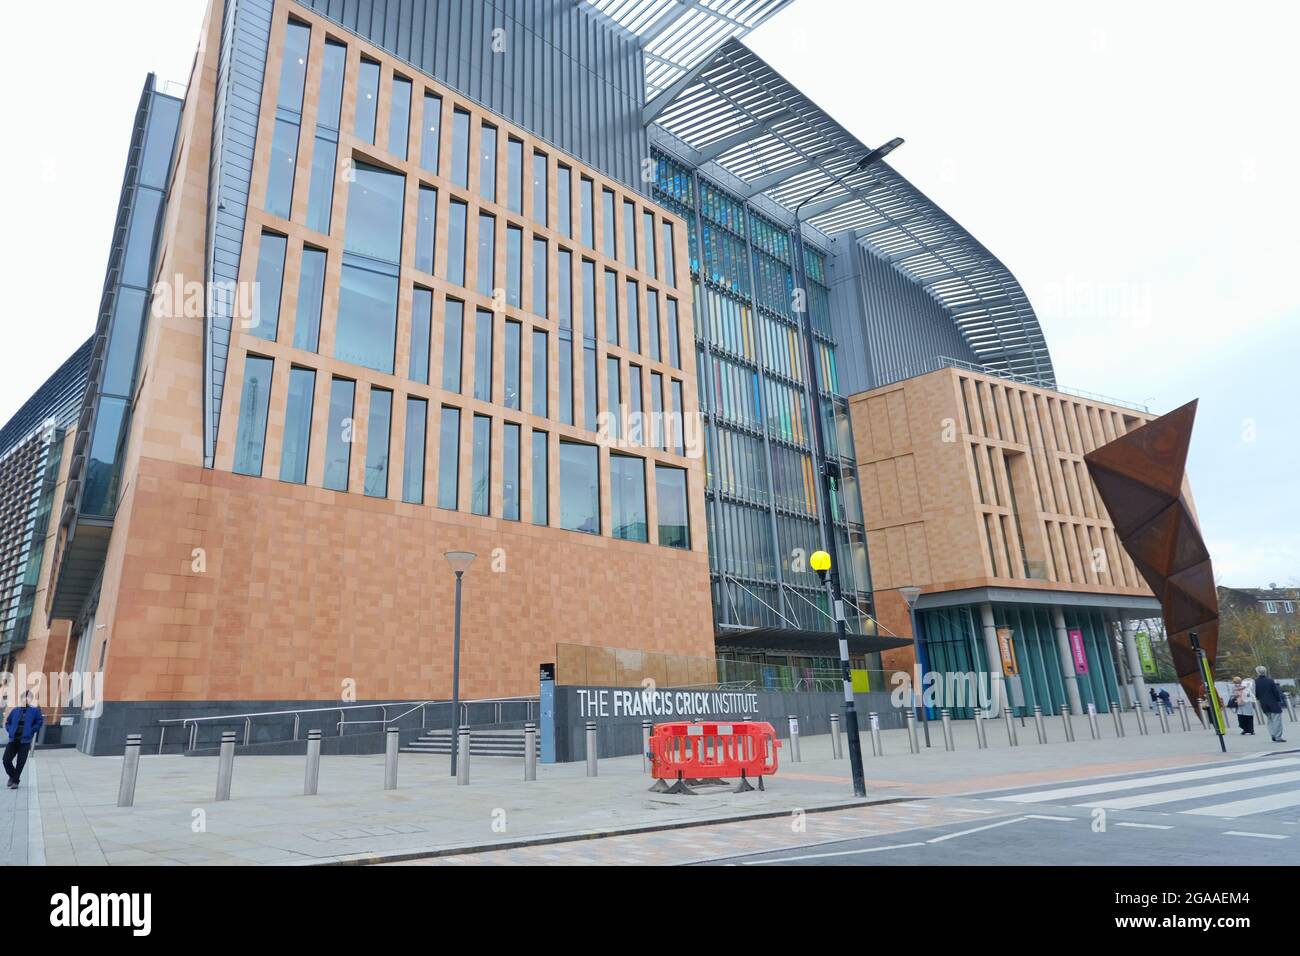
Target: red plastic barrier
<point>686,751</point>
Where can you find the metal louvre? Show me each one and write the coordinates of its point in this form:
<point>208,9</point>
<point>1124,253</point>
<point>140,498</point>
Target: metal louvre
<point>675,35</point>
<point>735,110</point>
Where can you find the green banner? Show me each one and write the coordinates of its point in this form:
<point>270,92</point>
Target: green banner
<point>1145,655</point>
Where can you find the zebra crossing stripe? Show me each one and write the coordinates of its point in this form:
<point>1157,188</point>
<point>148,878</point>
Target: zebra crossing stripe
<point>1110,786</point>
<point>1243,808</point>
<point>1191,793</point>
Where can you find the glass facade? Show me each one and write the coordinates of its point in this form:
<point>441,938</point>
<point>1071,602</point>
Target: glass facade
<point>579,487</point>
<point>250,438</point>
<point>297,426</point>
<point>627,497</point>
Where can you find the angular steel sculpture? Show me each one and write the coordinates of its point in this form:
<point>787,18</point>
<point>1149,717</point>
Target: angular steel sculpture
<point>1140,479</point>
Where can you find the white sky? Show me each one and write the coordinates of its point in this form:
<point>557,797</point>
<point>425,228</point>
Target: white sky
<point>1134,165</point>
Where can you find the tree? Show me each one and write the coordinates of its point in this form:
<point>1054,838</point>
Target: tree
<point>1249,638</point>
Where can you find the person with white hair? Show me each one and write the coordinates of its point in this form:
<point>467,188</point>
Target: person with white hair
<point>1269,695</point>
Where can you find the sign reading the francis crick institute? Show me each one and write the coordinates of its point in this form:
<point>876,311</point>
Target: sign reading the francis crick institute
<point>666,703</point>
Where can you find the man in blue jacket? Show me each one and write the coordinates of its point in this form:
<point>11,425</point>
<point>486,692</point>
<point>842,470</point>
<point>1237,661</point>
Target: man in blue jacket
<point>23,723</point>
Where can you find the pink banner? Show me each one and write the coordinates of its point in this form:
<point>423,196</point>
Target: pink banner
<point>1080,654</point>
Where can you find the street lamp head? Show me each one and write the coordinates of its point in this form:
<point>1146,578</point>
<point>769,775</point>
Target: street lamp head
<point>910,594</point>
<point>880,152</point>
<point>820,562</point>
<point>460,560</point>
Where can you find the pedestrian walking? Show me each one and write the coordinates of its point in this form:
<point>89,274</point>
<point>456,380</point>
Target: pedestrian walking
<point>1269,695</point>
<point>1155,701</point>
<point>1243,702</point>
<point>23,724</point>
<point>1164,699</point>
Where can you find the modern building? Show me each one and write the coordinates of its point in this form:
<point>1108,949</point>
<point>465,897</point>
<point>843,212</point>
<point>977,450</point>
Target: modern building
<point>533,279</point>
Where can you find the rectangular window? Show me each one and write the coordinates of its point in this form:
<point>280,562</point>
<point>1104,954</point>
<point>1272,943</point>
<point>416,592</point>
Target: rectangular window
<point>590,413</point>
<point>633,317</point>
<point>588,298</point>
<point>366,330</point>
<point>514,265</point>
<point>670,499</point>
<point>333,68</point>
<point>320,194</point>
<point>399,117</point>
<point>487,162</point>
<point>311,299</point>
<point>514,332</point>
<point>426,226</point>
<point>627,497</point>
<point>421,321</point>
<point>652,324</point>
<point>539,188</point>
<point>515,175</point>
<point>586,208</point>
<point>564,200</point>
<point>540,456</point>
<point>608,245</point>
<point>453,331</point>
<point>678,418</point>
<point>648,219</point>
<point>566,377</point>
<point>539,276</point>
<point>674,336</point>
<point>483,355</point>
<point>635,419</point>
<point>376,203</point>
<point>417,414</point>
<point>250,439</point>
<point>270,280</point>
<point>510,465</point>
<point>579,487</point>
<point>367,100</point>
<point>449,458</point>
<point>657,409</point>
<point>629,233</point>
<point>539,373</point>
<point>338,437</point>
<point>456,242</point>
<point>284,160</point>
<point>293,68</point>
<point>431,134</point>
<point>564,291</point>
<point>670,259</point>
<point>378,437</point>
<point>614,398</point>
<point>611,306</point>
<point>481,467</point>
<point>297,426</point>
<point>487,253</point>
<point>460,148</point>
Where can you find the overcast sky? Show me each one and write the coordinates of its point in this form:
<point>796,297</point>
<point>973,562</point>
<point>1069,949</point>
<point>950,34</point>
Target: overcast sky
<point>1134,165</point>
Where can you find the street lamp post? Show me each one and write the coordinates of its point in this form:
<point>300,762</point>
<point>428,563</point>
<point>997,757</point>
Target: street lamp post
<point>910,594</point>
<point>829,567</point>
<point>460,562</point>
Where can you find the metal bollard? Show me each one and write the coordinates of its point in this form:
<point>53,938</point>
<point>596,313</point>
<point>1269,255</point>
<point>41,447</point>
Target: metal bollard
<point>592,769</point>
<point>530,751</point>
<point>981,732</point>
<point>1067,723</point>
<point>647,727</point>
<point>877,747</point>
<point>130,769</point>
<point>1141,720</point>
<point>1117,714</point>
<point>794,739</point>
<point>1164,718</point>
<point>311,778</point>
<point>1203,708</point>
<point>225,764</point>
<point>1038,724</point>
<point>1012,739</point>
<point>947,729</point>
<point>1092,722</point>
<point>911,732</point>
<point>462,756</point>
<point>1183,717</point>
<point>837,745</point>
<point>1290,706</point>
<point>390,759</point>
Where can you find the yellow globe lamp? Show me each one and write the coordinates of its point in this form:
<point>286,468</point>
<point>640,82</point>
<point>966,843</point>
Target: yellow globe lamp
<point>820,562</point>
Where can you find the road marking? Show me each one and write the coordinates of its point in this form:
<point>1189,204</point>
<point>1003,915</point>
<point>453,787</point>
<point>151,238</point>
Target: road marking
<point>819,856</point>
<point>1262,836</point>
<point>1191,793</point>
<point>1146,826</point>
<point>1242,808</point>
<point>968,810</point>
<point>987,826</point>
<point>1043,816</point>
<point>1110,786</point>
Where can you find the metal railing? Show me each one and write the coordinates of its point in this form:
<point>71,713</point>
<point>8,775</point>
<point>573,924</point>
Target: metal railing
<point>497,707</point>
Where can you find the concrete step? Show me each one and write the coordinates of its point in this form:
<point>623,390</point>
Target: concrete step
<point>487,743</point>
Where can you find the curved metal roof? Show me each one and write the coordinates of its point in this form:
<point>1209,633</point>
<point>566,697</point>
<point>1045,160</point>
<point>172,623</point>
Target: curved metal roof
<point>735,110</point>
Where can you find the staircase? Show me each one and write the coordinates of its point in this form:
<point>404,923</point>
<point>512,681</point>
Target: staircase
<point>482,743</point>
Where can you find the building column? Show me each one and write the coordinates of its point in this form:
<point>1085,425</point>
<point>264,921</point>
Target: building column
<point>1141,698</point>
<point>1067,662</point>
<point>997,684</point>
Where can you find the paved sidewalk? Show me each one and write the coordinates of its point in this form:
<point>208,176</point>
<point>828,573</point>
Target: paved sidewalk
<point>176,821</point>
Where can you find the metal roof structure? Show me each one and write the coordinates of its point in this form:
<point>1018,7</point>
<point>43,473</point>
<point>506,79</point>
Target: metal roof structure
<point>735,110</point>
<point>676,35</point>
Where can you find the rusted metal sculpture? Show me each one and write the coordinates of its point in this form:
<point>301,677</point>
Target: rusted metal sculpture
<point>1140,479</point>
